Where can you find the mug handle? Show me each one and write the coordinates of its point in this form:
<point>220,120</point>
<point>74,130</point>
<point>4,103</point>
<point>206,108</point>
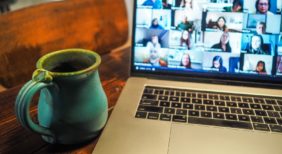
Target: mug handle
<point>40,79</point>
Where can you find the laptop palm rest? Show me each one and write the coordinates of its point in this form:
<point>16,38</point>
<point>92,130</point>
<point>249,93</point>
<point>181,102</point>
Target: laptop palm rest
<point>197,139</point>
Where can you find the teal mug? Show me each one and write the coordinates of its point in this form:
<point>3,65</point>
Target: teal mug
<point>72,105</point>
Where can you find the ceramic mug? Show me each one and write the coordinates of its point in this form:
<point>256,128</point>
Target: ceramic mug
<point>72,105</point>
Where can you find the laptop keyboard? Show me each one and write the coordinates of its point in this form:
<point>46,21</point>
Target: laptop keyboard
<point>252,112</point>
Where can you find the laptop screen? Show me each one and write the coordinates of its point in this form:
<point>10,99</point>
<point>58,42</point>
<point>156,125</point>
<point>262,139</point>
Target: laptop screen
<point>225,39</point>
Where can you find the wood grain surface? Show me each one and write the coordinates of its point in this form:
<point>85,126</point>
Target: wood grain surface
<point>15,139</point>
<point>27,34</point>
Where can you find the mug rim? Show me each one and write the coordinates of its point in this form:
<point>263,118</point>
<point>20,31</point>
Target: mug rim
<point>94,66</point>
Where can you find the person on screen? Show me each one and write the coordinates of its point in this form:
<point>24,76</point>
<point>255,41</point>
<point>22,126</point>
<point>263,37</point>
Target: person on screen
<point>256,45</point>
<point>224,44</point>
<point>185,39</point>
<point>185,25</point>
<point>154,43</point>
<point>260,69</point>
<point>217,63</point>
<point>221,24</point>
<point>155,58</point>
<point>155,24</point>
<point>237,6</point>
<point>279,64</point>
<point>260,28</point>
<point>186,4</point>
<point>186,61</point>
<point>156,4</point>
<point>263,7</point>
<point>166,5</point>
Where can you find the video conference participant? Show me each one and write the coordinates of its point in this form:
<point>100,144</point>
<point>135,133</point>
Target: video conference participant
<point>279,65</point>
<point>256,45</point>
<point>217,63</point>
<point>154,43</point>
<point>185,25</point>
<point>260,68</point>
<point>237,6</point>
<point>221,24</point>
<point>155,58</point>
<point>166,4</point>
<point>256,64</point>
<point>156,4</point>
<point>186,61</point>
<point>185,39</point>
<point>223,44</point>
<point>155,24</point>
<point>260,28</point>
<point>263,7</point>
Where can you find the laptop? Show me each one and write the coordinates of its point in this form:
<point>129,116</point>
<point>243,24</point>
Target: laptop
<point>206,78</point>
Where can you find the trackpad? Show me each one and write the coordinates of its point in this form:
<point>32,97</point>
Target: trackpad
<point>199,139</point>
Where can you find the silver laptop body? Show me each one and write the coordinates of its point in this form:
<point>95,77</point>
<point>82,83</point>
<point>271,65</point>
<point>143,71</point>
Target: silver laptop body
<point>130,131</point>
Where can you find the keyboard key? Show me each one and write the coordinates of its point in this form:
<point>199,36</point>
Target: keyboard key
<point>231,117</point>
<point>213,97</point>
<point>262,127</point>
<point>174,99</point>
<point>194,113</point>
<point>270,101</point>
<point>248,112</point>
<point>224,97</point>
<point>219,103</point>
<point>273,114</point>
<point>218,115</point>
<point>154,116</point>
<point>159,92</point>
<point>197,101</point>
<point>236,98</point>
<point>236,110</point>
<point>164,104</point>
<point>179,118</point>
<point>243,105</point>
<point>165,117</point>
<point>169,110</point>
<point>267,107</point>
<point>212,108</point>
<point>188,106</point>
<point>163,98</point>
<point>148,91</point>
<point>150,109</point>
<point>279,120</point>
<point>181,112</point>
<point>255,106</point>
<point>208,102</point>
<point>223,109</point>
<point>259,100</point>
<point>243,118</point>
<point>218,122</point>
<point>141,115</point>
<point>247,100</point>
<point>231,104</point>
<point>176,105</point>
<point>206,114</point>
<point>256,119</point>
<point>279,102</point>
<point>277,108</point>
<point>149,102</point>
<point>276,128</point>
<point>199,107</point>
<point>269,120</point>
<point>148,96</point>
<point>185,100</point>
<point>260,113</point>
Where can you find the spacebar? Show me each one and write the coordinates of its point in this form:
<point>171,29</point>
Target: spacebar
<point>222,123</point>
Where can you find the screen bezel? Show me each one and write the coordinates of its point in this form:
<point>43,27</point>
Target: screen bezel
<point>203,77</point>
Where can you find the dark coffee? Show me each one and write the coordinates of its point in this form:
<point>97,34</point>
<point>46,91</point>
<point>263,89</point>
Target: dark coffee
<point>70,66</point>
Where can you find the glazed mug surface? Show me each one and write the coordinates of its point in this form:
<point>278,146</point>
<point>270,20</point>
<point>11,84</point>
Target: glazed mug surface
<point>72,105</point>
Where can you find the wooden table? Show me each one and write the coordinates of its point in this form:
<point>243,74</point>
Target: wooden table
<point>15,139</point>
